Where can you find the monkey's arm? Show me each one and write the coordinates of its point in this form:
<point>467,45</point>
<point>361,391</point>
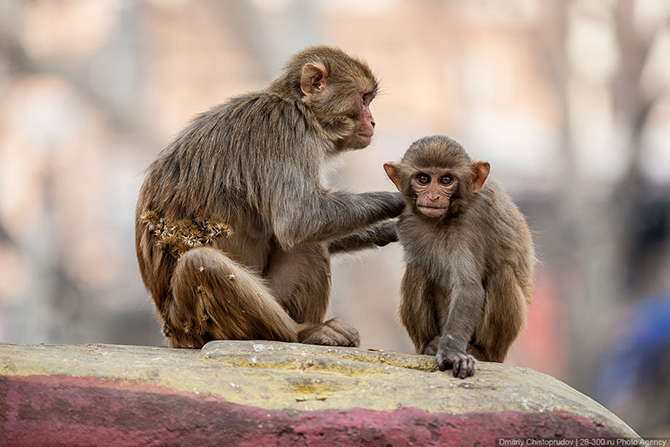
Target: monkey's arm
<point>377,236</point>
<point>466,307</point>
<point>308,213</point>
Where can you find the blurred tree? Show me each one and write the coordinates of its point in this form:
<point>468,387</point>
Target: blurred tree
<point>597,232</point>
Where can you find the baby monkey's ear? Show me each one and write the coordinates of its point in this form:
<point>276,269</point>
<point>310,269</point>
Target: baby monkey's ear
<point>480,172</point>
<point>393,172</point>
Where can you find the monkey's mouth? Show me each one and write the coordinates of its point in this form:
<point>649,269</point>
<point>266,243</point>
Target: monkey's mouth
<point>432,210</point>
<point>433,207</point>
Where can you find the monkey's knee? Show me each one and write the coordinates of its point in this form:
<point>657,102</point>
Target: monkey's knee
<point>210,264</point>
<point>215,298</point>
<point>200,271</point>
<point>195,286</point>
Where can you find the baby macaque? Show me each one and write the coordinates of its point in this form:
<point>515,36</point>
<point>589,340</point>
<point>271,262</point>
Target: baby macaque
<point>469,255</point>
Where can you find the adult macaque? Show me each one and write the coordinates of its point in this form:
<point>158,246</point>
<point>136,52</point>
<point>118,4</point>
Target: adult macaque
<point>469,255</point>
<point>233,225</point>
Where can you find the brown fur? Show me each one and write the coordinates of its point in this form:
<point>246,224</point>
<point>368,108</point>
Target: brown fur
<point>470,272</point>
<point>233,226</point>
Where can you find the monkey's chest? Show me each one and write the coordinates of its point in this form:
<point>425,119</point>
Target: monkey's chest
<point>427,250</point>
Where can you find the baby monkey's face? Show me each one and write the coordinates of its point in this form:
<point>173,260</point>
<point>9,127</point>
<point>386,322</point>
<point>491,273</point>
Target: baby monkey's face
<point>433,188</point>
<point>437,177</point>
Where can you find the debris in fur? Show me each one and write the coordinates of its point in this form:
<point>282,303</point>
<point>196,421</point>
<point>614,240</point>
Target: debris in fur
<point>182,235</point>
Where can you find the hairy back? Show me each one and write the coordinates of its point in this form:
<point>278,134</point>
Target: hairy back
<point>213,164</point>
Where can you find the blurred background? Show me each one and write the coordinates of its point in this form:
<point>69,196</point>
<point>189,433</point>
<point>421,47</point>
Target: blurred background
<point>568,100</point>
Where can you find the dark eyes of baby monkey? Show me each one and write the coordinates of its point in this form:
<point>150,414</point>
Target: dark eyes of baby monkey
<point>469,255</point>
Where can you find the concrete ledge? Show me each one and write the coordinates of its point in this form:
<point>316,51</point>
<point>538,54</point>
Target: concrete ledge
<point>250,393</point>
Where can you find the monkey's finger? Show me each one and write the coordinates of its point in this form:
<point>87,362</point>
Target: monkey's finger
<point>458,370</point>
<point>442,363</point>
<point>464,372</point>
<point>471,366</point>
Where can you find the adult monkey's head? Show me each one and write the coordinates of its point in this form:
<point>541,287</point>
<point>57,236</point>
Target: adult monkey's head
<point>337,89</point>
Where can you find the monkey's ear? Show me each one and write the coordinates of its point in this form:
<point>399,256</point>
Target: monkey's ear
<point>479,176</point>
<point>313,79</point>
<point>393,171</point>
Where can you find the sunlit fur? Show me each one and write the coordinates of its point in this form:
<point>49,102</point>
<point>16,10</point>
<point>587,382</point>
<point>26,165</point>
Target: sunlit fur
<point>245,176</point>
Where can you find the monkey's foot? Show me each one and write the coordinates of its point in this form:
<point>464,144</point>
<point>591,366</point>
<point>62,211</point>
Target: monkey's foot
<point>333,332</point>
<point>431,348</point>
<point>463,364</point>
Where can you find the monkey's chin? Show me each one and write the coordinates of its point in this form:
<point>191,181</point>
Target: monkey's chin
<point>360,141</point>
<point>432,212</point>
<point>353,143</point>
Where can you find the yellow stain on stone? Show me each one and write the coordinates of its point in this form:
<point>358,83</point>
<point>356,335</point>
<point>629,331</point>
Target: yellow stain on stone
<point>275,375</point>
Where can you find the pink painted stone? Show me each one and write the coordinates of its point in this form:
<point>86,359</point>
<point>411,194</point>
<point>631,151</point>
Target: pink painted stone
<point>111,397</point>
<point>57,410</point>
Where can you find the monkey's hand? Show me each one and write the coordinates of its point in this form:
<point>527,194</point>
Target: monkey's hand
<point>462,363</point>
<point>385,233</point>
<point>379,235</point>
<point>399,204</point>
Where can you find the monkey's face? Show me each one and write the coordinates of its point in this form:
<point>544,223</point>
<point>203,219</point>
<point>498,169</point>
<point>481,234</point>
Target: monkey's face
<point>437,177</point>
<point>433,189</point>
<point>364,123</point>
<point>340,101</point>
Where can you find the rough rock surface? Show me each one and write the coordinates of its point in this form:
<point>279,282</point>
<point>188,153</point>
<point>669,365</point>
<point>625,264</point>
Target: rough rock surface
<point>259,393</point>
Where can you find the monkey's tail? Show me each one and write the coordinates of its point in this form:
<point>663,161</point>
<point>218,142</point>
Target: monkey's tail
<point>214,298</point>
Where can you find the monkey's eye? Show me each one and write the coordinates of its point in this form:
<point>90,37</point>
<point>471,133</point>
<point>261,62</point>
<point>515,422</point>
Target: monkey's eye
<point>424,179</point>
<point>446,180</point>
